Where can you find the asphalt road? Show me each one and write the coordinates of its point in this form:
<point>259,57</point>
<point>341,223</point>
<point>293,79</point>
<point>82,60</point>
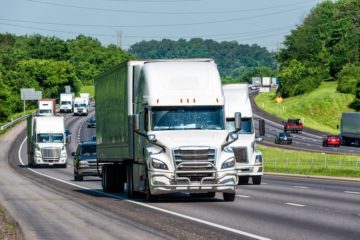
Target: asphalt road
<point>309,139</point>
<point>49,205</point>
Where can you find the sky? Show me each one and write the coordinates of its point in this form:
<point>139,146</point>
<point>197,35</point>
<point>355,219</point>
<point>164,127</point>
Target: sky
<point>125,22</point>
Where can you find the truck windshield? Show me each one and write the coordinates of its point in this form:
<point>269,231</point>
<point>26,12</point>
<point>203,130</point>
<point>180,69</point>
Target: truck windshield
<point>47,137</point>
<point>246,125</point>
<point>45,111</point>
<point>65,103</point>
<point>187,118</point>
<point>83,105</point>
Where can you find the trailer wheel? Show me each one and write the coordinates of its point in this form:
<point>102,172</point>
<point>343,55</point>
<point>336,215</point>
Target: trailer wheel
<point>229,197</point>
<point>113,179</point>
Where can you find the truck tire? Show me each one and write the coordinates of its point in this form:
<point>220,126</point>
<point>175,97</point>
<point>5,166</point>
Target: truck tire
<point>113,178</point>
<point>130,183</point>
<point>256,180</point>
<point>148,196</point>
<point>243,180</point>
<point>229,197</point>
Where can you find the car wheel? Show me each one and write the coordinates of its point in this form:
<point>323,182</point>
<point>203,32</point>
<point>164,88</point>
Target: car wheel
<point>78,177</point>
<point>229,197</point>
<point>256,180</point>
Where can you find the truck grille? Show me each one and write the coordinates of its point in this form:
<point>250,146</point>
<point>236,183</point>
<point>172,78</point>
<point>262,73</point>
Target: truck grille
<point>51,153</point>
<point>240,154</point>
<point>194,163</point>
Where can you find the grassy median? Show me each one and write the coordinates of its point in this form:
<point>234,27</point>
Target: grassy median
<point>310,163</point>
<point>320,109</point>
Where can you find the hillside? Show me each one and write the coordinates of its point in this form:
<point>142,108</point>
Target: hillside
<point>320,109</point>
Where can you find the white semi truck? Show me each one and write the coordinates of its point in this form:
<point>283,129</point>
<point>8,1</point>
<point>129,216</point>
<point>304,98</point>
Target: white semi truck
<point>66,102</point>
<point>81,107</point>
<point>248,160</point>
<point>161,129</point>
<point>86,97</point>
<point>46,141</point>
<point>46,107</point>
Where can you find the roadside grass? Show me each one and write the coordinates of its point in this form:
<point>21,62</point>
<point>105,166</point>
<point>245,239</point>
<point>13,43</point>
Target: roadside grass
<point>7,229</point>
<point>14,116</point>
<point>320,109</point>
<point>309,163</point>
<point>88,89</point>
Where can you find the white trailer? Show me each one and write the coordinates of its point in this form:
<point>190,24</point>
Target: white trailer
<point>46,107</point>
<point>46,141</point>
<point>80,106</point>
<point>161,129</point>
<point>248,159</point>
<point>66,102</point>
<point>86,97</point>
<point>266,81</point>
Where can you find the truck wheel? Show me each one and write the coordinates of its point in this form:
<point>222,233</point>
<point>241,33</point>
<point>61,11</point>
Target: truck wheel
<point>130,183</point>
<point>149,197</point>
<point>256,180</point>
<point>113,178</point>
<point>229,197</point>
<point>243,180</point>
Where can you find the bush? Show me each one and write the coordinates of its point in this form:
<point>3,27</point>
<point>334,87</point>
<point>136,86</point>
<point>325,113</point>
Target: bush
<point>355,105</point>
<point>348,79</point>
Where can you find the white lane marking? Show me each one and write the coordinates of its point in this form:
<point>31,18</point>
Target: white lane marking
<point>243,196</point>
<point>295,204</point>
<point>215,225</point>
<point>300,187</point>
<point>351,192</point>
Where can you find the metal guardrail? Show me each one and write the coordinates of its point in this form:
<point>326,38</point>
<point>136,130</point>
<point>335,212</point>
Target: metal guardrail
<point>9,124</point>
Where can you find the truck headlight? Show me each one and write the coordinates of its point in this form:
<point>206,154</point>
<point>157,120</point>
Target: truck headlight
<point>228,163</point>
<point>156,163</point>
<point>228,149</point>
<point>258,159</point>
<point>37,153</point>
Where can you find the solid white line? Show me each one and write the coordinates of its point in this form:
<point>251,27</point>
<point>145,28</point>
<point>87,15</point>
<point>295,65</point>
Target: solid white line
<point>233,230</point>
<point>300,187</point>
<point>351,192</point>
<point>243,196</point>
<point>295,204</point>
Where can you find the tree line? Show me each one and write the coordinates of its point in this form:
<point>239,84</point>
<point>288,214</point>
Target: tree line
<point>324,47</point>
<point>48,64</point>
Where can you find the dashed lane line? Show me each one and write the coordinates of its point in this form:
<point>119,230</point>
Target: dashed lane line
<point>295,204</point>
<point>303,187</point>
<point>243,196</point>
<point>352,192</point>
<point>211,224</point>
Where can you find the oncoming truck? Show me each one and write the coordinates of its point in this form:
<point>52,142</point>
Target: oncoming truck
<point>248,159</point>
<point>46,141</point>
<point>161,129</point>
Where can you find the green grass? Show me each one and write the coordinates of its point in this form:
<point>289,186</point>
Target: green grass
<point>320,109</point>
<point>88,89</point>
<point>14,116</point>
<point>310,163</point>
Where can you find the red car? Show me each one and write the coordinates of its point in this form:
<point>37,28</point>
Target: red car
<point>293,125</point>
<point>331,140</point>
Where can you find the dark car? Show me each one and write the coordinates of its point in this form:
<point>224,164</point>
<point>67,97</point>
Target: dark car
<point>283,137</point>
<point>91,123</point>
<point>85,163</point>
<point>293,125</point>
<point>331,140</point>
<point>68,135</point>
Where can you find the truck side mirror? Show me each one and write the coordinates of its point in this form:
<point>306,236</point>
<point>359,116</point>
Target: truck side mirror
<point>261,127</point>
<point>238,121</point>
<point>136,122</point>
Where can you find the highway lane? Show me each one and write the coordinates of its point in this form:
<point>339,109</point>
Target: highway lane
<point>307,140</point>
<point>282,208</point>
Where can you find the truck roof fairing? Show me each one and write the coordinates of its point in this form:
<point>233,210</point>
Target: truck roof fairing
<point>49,124</point>
<point>182,83</point>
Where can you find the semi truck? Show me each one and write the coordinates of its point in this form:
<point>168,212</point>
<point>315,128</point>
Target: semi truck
<point>46,107</point>
<point>80,106</point>
<point>46,141</point>
<point>248,160</point>
<point>350,128</point>
<point>86,97</point>
<point>161,129</point>
<point>66,102</point>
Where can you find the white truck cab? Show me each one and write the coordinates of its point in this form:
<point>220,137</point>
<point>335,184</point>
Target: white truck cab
<point>80,106</point>
<point>46,141</point>
<point>248,160</point>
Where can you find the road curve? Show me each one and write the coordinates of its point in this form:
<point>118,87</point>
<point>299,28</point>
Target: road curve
<point>49,205</point>
<point>308,140</point>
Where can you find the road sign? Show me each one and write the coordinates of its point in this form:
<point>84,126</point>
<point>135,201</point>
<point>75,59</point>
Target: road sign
<point>30,94</point>
<point>67,89</point>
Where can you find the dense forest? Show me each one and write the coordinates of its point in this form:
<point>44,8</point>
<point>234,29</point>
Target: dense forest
<point>325,47</point>
<point>236,62</point>
<point>48,64</point>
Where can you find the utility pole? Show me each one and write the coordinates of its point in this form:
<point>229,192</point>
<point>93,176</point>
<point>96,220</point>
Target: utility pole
<point>119,39</point>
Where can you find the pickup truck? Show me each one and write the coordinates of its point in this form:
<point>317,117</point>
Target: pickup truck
<point>293,125</point>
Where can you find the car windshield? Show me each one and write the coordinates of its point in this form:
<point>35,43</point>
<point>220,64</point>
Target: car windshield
<point>65,103</point>
<point>246,125</point>
<point>47,137</point>
<point>284,134</point>
<point>92,120</point>
<point>294,121</point>
<point>187,118</point>
<point>88,150</point>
